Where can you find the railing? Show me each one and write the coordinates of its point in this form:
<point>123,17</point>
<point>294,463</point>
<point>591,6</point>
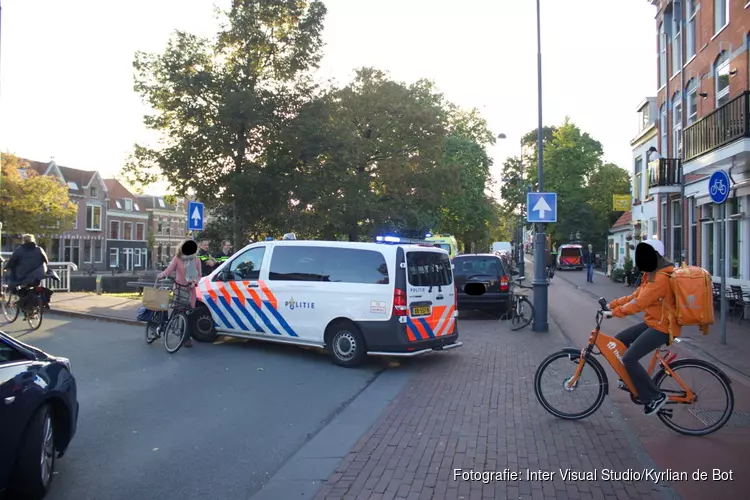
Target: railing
<point>722,126</point>
<point>664,172</point>
<point>63,270</point>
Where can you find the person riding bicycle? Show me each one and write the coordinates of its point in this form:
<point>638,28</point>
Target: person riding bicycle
<point>27,265</point>
<point>654,297</point>
<point>187,269</point>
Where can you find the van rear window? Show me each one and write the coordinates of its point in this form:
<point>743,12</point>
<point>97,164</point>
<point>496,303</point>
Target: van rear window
<point>429,269</point>
<point>570,252</point>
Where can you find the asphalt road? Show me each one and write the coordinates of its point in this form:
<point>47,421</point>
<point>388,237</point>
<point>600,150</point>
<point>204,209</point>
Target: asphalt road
<point>215,421</point>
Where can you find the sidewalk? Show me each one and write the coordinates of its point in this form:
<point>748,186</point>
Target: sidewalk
<point>92,306</point>
<point>474,411</point>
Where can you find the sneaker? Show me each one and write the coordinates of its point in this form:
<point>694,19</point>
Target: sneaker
<point>655,405</point>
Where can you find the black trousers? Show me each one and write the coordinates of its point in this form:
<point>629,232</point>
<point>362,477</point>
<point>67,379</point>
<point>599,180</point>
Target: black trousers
<point>640,341</point>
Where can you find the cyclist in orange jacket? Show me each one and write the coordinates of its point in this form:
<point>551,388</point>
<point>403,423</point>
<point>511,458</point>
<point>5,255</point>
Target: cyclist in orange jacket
<point>652,297</point>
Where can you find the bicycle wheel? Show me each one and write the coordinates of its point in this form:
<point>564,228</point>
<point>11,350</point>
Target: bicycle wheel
<point>548,375</point>
<point>716,396</point>
<point>34,317</point>
<point>175,333</point>
<point>523,313</point>
<point>10,307</point>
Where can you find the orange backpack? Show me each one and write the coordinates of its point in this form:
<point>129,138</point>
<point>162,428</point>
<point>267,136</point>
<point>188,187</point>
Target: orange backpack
<point>693,292</point>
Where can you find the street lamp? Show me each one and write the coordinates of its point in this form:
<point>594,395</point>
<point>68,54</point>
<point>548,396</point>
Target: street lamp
<point>519,223</point>
<point>540,283</point>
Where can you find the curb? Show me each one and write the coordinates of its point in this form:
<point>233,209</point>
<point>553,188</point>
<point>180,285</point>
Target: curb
<point>95,317</point>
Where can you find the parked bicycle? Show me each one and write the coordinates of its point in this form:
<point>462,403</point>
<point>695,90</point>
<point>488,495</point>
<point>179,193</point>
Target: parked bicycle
<point>522,310</point>
<point>172,322</point>
<point>568,382</point>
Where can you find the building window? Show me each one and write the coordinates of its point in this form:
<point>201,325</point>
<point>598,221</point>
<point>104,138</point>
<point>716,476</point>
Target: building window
<point>128,204</point>
<point>93,192</point>
<point>645,117</point>
<point>114,257</point>
<point>676,44</point>
<point>653,234</point>
<point>114,230</point>
<point>140,232</point>
<point>677,126</point>
<point>98,251</point>
<point>663,128</point>
<point>93,217</point>
<point>137,258</point>
<point>88,257</point>
<point>721,14</point>
<point>690,30</point>
<point>127,233</point>
<point>663,235</point>
<point>693,232</point>
<point>75,217</point>
<point>159,227</point>
<point>676,231</point>
<point>692,101</point>
<point>662,56</point>
<point>637,178</point>
<point>721,78</point>
<point>733,225</point>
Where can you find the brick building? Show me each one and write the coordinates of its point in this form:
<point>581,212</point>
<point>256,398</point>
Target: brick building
<point>126,229</point>
<point>167,227</point>
<point>704,125</point>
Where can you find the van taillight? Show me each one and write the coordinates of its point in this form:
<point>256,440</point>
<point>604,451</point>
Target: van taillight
<point>399,303</point>
<point>504,286</point>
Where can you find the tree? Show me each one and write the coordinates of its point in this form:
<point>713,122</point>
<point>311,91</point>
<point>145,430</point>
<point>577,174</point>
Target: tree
<point>33,203</point>
<point>218,104</point>
<point>605,182</point>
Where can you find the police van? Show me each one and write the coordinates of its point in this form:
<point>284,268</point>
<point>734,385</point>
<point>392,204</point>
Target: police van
<point>352,299</point>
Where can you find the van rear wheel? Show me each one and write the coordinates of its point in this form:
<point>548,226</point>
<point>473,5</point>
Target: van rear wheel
<point>346,345</point>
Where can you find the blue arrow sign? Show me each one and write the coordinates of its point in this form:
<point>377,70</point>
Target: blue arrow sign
<point>541,208</point>
<point>195,216</point>
<point>718,187</point>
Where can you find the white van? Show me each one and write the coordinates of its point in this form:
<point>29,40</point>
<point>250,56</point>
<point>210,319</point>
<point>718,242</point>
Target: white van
<point>352,299</point>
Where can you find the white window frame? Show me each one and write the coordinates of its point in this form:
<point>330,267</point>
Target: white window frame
<point>89,226</point>
<point>692,96</point>
<point>159,226</point>
<point>663,216</point>
<point>662,56</point>
<point>143,231</point>
<point>100,257</point>
<point>717,8</point>
<point>119,230</point>
<point>137,258</point>
<point>678,205</point>
<point>690,41</point>
<point>653,228</point>
<point>125,233</point>
<point>128,204</point>
<point>676,44</point>
<point>664,129</point>
<point>638,179</point>
<point>91,253</point>
<point>116,253</point>
<point>93,192</point>
<point>676,125</point>
<point>720,94</point>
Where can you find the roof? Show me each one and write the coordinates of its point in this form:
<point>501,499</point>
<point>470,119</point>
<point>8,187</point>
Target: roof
<point>117,194</point>
<point>625,219</point>
<point>155,202</point>
<point>75,179</point>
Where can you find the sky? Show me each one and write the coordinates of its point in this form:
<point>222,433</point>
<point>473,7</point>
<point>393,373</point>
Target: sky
<point>66,77</point>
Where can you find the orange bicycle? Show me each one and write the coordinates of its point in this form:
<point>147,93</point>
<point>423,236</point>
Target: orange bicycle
<point>578,364</point>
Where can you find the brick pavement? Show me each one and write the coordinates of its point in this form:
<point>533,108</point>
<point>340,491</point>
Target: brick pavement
<point>475,409</point>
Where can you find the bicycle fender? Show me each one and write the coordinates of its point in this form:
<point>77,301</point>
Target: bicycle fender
<point>590,360</point>
<point>675,364</point>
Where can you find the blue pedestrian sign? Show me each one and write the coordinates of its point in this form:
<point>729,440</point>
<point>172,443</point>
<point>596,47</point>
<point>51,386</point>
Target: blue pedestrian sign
<point>541,208</point>
<point>195,216</point>
<point>718,187</point>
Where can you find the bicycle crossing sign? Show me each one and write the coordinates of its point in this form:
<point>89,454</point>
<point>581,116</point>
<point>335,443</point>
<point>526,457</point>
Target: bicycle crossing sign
<point>718,187</point>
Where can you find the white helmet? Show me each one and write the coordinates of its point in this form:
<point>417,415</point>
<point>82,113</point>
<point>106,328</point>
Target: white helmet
<point>289,236</point>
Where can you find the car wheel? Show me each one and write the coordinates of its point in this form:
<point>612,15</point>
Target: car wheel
<point>203,325</point>
<point>346,344</point>
<point>36,459</point>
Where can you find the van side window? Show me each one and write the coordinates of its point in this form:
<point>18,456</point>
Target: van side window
<point>353,265</point>
<point>296,263</point>
<point>247,266</point>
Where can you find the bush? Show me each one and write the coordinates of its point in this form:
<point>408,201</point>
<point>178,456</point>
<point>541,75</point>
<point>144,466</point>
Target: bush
<point>618,275</point>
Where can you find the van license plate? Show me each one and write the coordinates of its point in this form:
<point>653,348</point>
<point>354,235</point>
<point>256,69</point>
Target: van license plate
<point>420,311</point>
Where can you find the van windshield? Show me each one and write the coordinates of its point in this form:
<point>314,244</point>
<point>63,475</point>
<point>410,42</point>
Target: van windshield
<point>444,246</point>
<point>428,269</point>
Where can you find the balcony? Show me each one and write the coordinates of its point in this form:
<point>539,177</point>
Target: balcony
<point>723,126</point>
<point>664,172</point>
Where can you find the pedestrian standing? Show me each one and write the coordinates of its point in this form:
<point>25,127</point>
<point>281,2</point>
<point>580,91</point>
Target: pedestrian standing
<point>208,264</point>
<point>187,272</point>
<point>589,260</point>
<point>225,253</point>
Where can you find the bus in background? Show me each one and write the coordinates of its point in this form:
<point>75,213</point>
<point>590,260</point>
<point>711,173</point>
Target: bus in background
<point>445,241</point>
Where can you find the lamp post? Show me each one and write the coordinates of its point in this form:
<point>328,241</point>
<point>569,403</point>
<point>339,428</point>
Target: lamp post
<point>540,283</point>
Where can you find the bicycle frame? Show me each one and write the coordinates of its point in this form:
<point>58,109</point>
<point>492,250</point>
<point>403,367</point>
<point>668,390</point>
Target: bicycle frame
<point>612,350</point>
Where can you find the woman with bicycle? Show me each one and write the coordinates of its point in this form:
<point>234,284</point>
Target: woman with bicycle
<point>654,297</point>
<point>187,269</point>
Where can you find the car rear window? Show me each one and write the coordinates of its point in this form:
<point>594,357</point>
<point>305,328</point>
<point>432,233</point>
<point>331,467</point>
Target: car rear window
<point>468,266</point>
<point>429,269</point>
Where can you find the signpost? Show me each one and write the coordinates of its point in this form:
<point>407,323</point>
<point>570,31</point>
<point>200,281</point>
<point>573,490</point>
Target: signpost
<point>621,202</point>
<point>195,216</point>
<point>718,190</point>
<point>541,207</point>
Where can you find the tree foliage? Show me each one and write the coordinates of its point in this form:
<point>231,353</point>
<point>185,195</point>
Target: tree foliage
<point>33,203</point>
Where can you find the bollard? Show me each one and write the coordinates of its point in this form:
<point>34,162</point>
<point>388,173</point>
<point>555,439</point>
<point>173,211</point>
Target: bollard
<point>98,284</point>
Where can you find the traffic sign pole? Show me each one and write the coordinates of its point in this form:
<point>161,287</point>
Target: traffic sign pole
<point>718,189</point>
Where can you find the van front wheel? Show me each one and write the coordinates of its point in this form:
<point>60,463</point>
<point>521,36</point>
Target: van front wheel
<point>346,344</point>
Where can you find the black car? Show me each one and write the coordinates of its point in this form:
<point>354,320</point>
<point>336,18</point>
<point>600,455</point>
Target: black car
<point>38,416</point>
<point>482,283</point>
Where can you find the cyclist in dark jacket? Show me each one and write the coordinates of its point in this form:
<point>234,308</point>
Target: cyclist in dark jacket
<point>28,264</point>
